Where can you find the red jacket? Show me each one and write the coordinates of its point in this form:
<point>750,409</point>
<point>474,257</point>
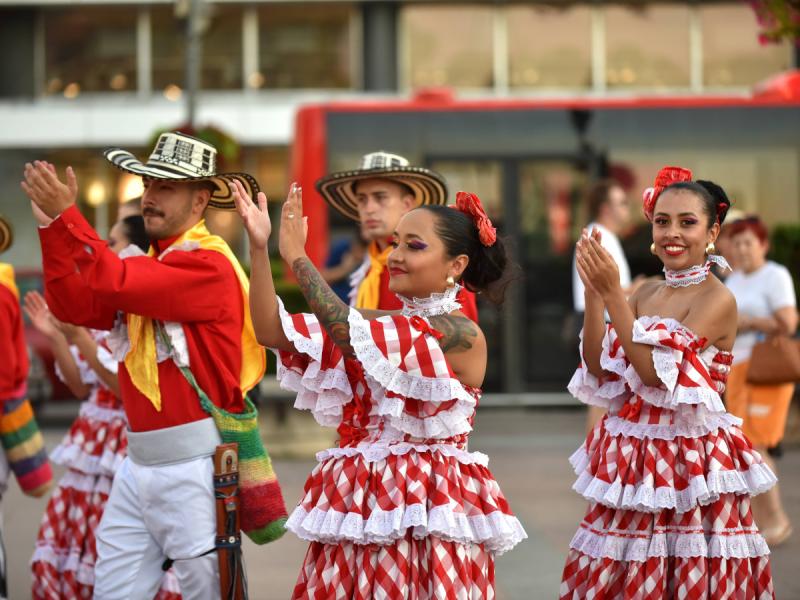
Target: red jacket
<point>87,284</point>
<point>13,351</point>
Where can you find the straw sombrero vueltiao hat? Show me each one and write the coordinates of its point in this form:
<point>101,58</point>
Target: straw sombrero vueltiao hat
<point>181,157</point>
<point>6,234</point>
<point>337,188</point>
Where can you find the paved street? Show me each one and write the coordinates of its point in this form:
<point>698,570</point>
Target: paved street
<point>528,450</point>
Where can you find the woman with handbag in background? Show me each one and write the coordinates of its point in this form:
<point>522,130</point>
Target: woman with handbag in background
<point>765,295</point>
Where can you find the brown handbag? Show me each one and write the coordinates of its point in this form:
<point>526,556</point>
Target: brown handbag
<point>774,361</point>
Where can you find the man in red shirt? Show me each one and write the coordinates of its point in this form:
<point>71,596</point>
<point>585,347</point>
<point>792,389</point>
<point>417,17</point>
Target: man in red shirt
<point>182,305</point>
<point>377,195</point>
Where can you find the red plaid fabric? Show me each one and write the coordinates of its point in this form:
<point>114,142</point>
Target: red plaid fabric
<point>408,569</point>
<point>65,555</point>
<point>669,476</point>
<point>657,578</point>
<point>362,501</point>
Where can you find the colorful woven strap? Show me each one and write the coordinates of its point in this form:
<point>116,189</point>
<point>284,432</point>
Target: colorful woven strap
<point>264,515</point>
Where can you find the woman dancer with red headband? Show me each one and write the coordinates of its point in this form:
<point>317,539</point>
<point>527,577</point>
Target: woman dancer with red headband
<point>668,472</point>
<point>400,509</point>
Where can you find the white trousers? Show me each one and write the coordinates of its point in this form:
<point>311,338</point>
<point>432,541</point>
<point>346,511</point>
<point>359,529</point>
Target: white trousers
<point>155,513</point>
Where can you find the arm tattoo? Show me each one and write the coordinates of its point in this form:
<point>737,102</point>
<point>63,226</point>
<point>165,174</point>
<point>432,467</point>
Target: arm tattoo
<point>459,332</point>
<point>325,304</point>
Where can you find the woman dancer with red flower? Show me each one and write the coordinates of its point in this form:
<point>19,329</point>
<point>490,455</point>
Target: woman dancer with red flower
<point>400,509</point>
<point>668,472</point>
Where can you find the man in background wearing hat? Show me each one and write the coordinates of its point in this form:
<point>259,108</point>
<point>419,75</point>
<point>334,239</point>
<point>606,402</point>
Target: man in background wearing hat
<point>183,305</point>
<point>22,450</point>
<point>377,195</point>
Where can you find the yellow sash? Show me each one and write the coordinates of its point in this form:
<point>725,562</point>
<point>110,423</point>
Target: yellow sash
<point>141,360</point>
<point>7,278</point>
<point>369,292</point>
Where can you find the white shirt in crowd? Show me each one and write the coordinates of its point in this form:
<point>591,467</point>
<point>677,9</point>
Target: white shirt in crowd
<point>611,243</point>
<point>759,294</point>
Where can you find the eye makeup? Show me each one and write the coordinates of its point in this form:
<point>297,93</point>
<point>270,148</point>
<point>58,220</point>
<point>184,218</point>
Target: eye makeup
<point>417,245</point>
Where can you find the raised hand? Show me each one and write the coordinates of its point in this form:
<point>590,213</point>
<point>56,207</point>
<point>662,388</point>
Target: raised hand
<point>39,314</point>
<point>46,190</point>
<point>294,226</point>
<point>596,267</point>
<point>255,218</point>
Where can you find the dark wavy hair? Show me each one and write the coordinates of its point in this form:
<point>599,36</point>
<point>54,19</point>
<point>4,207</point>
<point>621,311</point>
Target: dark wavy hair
<point>490,270</point>
<point>133,228</point>
<point>715,200</point>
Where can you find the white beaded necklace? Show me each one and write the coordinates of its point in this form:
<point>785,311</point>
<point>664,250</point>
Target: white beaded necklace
<point>436,304</point>
<point>694,275</point>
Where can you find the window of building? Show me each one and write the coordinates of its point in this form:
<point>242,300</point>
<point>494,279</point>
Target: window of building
<point>549,47</point>
<point>448,45</point>
<point>647,46</point>
<point>305,46</point>
<point>732,54</point>
<point>222,49</point>
<point>168,35</point>
<point>89,49</point>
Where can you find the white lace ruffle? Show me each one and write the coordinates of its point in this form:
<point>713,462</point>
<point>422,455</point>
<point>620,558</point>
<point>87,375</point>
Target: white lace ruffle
<point>643,497</point>
<point>619,426</point>
<point>375,452</point>
<point>119,343</point>
<point>682,545</point>
<point>388,377</point>
<point>497,531</point>
<point>83,482</point>
<point>587,388</point>
<point>309,346</point>
<point>90,410</point>
<point>323,393</point>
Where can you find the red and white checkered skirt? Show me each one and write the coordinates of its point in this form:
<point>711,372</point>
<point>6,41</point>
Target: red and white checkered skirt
<point>408,569</point>
<point>708,552</point>
<point>63,561</point>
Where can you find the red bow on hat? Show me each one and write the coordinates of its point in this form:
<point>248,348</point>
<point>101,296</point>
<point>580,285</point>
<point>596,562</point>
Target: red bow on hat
<point>469,204</point>
<point>666,177</point>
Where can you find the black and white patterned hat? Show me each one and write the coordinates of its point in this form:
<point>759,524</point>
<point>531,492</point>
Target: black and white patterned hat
<point>6,234</point>
<point>180,157</point>
<point>337,188</point>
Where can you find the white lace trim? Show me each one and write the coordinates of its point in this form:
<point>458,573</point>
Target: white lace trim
<point>682,545</point>
<point>90,410</point>
<point>618,426</point>
<point>498,532</point>
<point>323,393</point>
<point>303,344</point>
<point>119,343</point>
<point>434,305</point>
<point>376,451</point>
<point>84,482</point>
<point>644,497</point>
<point>585,387</point>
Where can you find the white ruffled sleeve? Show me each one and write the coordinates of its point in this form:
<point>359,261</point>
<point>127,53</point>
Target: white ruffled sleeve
<point>687,385</point>
<point>316,372</point>
<point>415,389</point>
<point>608,392</point>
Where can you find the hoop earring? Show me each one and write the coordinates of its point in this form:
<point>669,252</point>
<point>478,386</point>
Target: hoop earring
<point>711,249</point>
<point>653,248</point>
<point>450,281</point>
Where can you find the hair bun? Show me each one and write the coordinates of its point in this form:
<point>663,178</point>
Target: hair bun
<point>719,196</point>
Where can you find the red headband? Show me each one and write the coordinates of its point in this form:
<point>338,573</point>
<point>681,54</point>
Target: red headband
<point>470,205</point>
<point>666,177</point>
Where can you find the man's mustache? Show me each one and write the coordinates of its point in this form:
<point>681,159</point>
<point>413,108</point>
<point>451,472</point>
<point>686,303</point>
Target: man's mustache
<point>151,212</point>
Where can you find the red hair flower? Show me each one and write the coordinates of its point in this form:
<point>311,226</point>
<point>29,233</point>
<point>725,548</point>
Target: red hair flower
<point>469,204</point>
<point>666,177</point>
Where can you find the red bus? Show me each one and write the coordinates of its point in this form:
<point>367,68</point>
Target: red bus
<point>530,161</point>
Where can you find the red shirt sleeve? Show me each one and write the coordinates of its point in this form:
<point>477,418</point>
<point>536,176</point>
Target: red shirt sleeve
<point>13,351</point>
<point>181,286</point>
